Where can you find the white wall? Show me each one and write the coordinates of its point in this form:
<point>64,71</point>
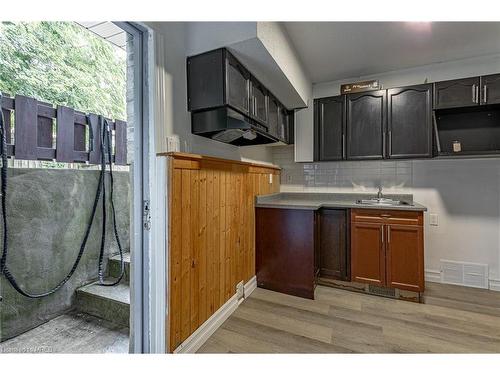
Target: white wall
<point>428,73</point>
<point>275,39</point>
<point>206,36</point>
<point>177,40</point>
<point>171,56</point>
<point>465,194</point>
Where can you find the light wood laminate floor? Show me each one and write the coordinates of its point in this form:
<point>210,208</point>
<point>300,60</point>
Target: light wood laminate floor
<point>454,319</point>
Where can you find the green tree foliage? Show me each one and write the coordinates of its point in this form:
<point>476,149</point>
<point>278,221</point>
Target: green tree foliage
<point>62,63</point>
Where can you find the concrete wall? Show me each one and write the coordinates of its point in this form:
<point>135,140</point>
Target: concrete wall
<point>47,212</point>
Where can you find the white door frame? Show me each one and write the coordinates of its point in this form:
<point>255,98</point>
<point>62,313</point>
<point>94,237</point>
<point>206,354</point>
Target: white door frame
<point>148,265</point>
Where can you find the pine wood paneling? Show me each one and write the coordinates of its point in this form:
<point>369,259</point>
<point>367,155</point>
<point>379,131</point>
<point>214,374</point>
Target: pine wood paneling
<point>211,234</point>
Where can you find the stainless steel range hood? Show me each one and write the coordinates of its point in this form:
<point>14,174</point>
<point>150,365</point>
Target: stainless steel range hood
<point>226,125</point>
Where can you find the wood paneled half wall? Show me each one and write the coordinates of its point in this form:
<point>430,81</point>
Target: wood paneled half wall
<point>211,234</point>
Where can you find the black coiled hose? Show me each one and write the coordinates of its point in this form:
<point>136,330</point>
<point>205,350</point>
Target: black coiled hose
<point>105,141</point>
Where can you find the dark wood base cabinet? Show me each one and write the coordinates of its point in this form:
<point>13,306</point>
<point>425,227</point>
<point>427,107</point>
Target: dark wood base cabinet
<point>387,248</point>
<point>333,241</point>
<point>285,250</point>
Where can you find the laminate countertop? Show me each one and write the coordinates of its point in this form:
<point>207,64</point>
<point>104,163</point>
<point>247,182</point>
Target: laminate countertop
<point>315,201</point>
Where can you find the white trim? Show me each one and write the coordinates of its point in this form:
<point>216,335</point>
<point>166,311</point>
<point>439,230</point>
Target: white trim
<point>433,275</point>
<point>249,287</point>
<point>158,258</point>
<point>495,284</point>
<point>203,333</point>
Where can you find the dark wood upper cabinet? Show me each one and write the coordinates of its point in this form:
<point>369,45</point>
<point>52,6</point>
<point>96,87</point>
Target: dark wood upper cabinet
<point>366,123</point>
<point>286,126</point>
<point>237,84</point>
<point>456,93</point>
<point>329,127</point>
<point>334,255</point>
<point>218,79</point>
<point>405,257</point>
<point>273,116</point>
<point>409,122</point>
<point>490,89</point>
<point>205,81</point>
<point>258,102</point>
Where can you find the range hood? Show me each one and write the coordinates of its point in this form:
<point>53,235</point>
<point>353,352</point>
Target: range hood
<point>225,125</point>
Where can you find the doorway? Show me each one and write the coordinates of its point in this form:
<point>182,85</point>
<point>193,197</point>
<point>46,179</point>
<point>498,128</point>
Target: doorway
<point>111,318</point>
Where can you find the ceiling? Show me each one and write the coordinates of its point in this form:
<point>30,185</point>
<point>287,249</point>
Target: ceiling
<point>336,50</point>
<point>107,30</point>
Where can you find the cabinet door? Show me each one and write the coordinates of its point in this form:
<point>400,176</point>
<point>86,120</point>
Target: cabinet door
<point>409,122</point>
<point>333,254</point>
<point>405,257</point>
<point>366,122</point>
<point>237,85</point>
<point>273,121</point>
<point>205,80</point>
<point>284,125</point>
<point>367,253</point>
<point>284,250</point>
<point>490,89</point>
<point>259,110</point>
<point>329,128</point>
<point>456,93</point>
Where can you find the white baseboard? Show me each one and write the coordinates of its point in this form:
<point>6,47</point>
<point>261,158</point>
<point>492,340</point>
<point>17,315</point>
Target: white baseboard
<point>201,335</point>
<point>495,284</point>
<point>250,286</point>
<point>433,275</point>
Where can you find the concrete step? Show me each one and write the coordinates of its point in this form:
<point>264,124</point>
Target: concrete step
<point>111,303</point>
<point>114,266</point>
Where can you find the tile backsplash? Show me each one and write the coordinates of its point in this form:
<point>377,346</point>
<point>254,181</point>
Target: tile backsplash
<point>358,176</point>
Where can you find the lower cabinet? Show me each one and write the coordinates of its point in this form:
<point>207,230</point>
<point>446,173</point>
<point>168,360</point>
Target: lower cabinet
<point>367,253</point>
<point>404,254</point>
<point>387,248</point>
<point>333,251</point>
<point>285,250</point>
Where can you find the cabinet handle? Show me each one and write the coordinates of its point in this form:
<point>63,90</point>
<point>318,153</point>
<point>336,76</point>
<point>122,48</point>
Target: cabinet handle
<point>383,144</point>
<point>485,94</point>
<point>343,147</point>
<point>474,93</point>
<point>390,142</point>
<point>388,234</point>
<point>382,233</point>
<point>477,94</point>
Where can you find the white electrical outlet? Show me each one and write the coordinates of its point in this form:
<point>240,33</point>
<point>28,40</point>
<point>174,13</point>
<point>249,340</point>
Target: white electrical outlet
<point>173,144</point>
<point>240,290</point>
<point>433,219</point>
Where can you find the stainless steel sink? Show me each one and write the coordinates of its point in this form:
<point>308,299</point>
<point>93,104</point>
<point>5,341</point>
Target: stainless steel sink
<point>382,202</point>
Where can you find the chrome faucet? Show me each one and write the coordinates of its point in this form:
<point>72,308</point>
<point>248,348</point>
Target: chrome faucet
<point>379,193</point>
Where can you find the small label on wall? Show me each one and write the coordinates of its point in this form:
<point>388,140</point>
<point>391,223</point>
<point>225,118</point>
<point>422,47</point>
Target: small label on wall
<point>457,146</point>
<point>360,86</point>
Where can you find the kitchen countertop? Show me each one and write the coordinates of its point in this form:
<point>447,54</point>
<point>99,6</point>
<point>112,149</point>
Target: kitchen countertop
<point>314,201</point>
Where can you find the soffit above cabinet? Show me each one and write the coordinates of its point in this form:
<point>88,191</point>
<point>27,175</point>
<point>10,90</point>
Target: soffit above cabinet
<point>290,86</point>
<point>368,48</point>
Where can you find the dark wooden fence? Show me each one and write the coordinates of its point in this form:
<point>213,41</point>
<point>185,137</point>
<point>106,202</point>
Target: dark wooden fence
<point>35,138</point>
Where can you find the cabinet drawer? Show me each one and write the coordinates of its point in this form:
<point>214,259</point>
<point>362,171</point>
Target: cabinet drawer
<point>387,216</point>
